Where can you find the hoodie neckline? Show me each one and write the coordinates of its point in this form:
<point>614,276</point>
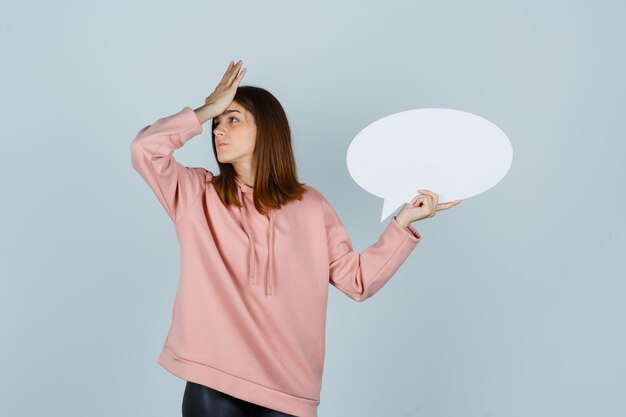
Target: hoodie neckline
<point>244,187</point>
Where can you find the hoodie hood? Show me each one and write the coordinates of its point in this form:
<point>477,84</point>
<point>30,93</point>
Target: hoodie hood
<point>242,187</point>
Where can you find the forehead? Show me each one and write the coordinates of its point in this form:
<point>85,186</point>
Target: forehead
<point>231,109</point>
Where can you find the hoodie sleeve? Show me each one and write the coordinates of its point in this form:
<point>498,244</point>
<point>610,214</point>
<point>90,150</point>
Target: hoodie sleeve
<point>176,186</point>
<point>361,275</point>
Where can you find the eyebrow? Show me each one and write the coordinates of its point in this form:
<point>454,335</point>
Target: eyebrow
<point>225,113</point>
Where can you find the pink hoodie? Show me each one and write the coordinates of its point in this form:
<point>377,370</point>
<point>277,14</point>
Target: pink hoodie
<point>249,316</point>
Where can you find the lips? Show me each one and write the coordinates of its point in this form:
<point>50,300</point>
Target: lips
<point>220,144</point>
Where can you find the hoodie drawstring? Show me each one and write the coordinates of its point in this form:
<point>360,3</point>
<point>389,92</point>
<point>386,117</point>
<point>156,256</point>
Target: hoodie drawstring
<point>252,257</point>
<point>270,261</point>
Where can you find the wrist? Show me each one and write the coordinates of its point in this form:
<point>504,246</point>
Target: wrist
<point>401,221</point>
<point>205,113</point>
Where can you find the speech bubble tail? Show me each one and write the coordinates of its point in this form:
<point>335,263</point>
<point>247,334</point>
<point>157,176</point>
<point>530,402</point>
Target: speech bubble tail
<point>389,205</point>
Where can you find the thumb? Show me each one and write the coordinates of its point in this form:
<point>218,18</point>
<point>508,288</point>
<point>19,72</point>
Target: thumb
<point>418,197</point>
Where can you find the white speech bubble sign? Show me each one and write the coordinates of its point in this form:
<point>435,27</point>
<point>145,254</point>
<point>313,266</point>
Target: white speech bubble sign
<point>450,152</point>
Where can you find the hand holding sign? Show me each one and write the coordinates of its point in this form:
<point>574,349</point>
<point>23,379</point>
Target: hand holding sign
<point>454,153</point>
<point>422,206</point>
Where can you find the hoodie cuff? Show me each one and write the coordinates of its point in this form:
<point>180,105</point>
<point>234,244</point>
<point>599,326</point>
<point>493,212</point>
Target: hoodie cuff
<point>412,231</point>
<point>192,120</point>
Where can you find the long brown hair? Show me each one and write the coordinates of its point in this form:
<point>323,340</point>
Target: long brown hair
<point>275,180</point>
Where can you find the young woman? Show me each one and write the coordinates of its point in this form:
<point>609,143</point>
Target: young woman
<point>258,250</point>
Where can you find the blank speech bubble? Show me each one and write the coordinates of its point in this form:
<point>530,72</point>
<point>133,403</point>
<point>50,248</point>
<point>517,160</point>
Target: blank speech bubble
<point>452,153</point>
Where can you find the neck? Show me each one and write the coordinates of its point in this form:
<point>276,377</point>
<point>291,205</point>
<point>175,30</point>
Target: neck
<point>245,173</point>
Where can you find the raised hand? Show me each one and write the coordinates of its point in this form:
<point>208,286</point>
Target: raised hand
<point>223,95</point>
<point>422,206</point>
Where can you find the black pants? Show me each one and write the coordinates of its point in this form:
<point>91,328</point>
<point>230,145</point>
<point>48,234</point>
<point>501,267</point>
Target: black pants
<point>201,401</point>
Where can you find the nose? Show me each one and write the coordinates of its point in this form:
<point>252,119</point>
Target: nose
<point>218,131</point>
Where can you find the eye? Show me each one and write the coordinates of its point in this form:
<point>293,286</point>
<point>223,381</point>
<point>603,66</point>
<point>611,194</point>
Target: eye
<point>230,118</point>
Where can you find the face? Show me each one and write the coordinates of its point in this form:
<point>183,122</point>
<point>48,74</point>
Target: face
<point>235,135</point>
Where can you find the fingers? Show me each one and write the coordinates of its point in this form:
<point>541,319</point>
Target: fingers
<point>427,192</point>
<point>434,198</point>
<point>424,200</point>
<point>448,205</point>
<point>419,198</point>
<point>430,193</point>
<point>240,76</point>
<point>232,74</point>
<point>225,76</point>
